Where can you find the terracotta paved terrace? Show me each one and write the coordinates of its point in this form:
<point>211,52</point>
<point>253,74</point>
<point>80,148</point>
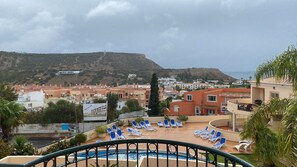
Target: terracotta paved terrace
<point>183,134</point>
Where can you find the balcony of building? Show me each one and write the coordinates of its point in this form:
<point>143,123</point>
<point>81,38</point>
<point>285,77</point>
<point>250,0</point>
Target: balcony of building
<point>164,147</point>
<point>132,152</point>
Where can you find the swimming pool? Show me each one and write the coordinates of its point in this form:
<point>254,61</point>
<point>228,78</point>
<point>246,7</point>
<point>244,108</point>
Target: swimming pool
<point>132,155</point>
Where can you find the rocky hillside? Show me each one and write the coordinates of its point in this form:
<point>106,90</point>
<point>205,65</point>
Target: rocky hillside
<point>99,67</point>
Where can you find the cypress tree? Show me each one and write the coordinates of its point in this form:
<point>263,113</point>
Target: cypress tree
<point>154,96</point>
<point>112,106</point>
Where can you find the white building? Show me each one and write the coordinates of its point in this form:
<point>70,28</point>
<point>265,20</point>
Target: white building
<point>32,101</point>
<point>167,81</point>
<point>131,76</point>
<point>68,72</point>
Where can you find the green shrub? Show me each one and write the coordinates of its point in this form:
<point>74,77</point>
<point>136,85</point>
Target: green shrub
<point>80,138</point>
<point>119,123</point>
<point>61,145</point>
<point>101,129</point>
<point>139,119</point>
<point>21,146</point>
<point>5,149</point>
<point>166,117</point>
<point>72,142</point>
<point>182,118</point>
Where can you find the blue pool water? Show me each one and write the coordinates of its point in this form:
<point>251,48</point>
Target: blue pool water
<point>132,155</point>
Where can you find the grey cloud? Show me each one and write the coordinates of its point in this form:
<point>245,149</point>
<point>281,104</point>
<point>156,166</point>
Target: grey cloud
<point>233,35</point>
<point>111,8</point>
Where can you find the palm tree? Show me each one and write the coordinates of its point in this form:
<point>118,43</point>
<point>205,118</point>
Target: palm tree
<point>11,116</point>
<point>276,148</point>
<point>283,67</point>
<point>7,92</point>
<point>258,130</point>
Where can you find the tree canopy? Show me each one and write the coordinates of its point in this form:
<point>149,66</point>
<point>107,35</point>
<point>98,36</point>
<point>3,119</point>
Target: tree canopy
<point>7,92</point>
<point>283,67</point>
<point>132,105</point>
<point>62,111</point>
<point>11,116</point>
<point>112,103</point>
<point>154,96</point>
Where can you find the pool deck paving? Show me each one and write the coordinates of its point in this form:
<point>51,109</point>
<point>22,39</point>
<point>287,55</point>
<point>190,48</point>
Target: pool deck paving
<point>183,134</point>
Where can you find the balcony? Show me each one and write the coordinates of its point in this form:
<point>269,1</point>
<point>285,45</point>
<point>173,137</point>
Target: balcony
<point>241,106</point>
<point>141,153</point>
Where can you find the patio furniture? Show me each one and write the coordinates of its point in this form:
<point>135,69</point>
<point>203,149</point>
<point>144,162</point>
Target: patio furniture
<point>147,122</point>
<point>209,135</point>
<point>160,124</point>
<point>166,123</point>
<point>120,135</point>
<point>179,124</point>
<point>136,125</point>
<point>216,137</point>
<point>219,144</point>
<point>133,132</point>
<point>114,128</point>
<point>198,132</point>
<point>113,136</point>
<point>172,123</point>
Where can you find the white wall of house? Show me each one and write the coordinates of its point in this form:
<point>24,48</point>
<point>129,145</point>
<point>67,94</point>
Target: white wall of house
<point>270,88</point>
<point>32,100</point>
<point>121,104</point>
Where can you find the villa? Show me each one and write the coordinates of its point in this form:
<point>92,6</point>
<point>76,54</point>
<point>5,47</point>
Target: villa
<point>207,101</point>
<point>268,89</point>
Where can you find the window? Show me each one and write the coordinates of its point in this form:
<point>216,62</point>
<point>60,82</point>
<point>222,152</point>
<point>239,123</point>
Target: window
<point>212,98</point>
<point>197,110</point>
<point>176,108</point>
<point>224,107</point>
<point>211,111</point>
<point>30,105</point>
<point>274,95</point>
<point>189,97</point>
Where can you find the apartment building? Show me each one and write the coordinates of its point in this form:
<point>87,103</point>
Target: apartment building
<point>207,102</point>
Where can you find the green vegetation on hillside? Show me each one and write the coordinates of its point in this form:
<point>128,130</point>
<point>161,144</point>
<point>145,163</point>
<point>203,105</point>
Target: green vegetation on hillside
<point>98,67</point>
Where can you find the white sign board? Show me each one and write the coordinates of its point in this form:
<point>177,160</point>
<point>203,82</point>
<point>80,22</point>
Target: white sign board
<point>95,112</point>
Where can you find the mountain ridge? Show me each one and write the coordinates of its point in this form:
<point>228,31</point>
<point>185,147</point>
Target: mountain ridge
<point>96,67</point>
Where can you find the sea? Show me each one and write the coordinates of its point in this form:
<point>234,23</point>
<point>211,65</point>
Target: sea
<point>241,74</point>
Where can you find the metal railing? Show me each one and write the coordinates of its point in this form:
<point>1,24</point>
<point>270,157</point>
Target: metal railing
<point>163,152</point>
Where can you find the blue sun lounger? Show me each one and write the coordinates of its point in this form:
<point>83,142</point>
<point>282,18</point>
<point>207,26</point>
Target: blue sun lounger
<point>136,125</point>
<point>166,123</point>
<point>172,123</point>
<point>113,136</point>
<point>120,135</point>
<point>219,144</point>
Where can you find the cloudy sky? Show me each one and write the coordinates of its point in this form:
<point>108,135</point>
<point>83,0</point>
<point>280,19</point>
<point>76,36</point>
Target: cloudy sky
<point>232,35</point>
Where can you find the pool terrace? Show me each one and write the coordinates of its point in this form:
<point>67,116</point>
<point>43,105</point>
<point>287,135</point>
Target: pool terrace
<point>172,141</point>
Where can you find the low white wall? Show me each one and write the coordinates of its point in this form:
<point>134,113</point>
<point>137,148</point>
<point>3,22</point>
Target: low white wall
<point>228,134</point>
<point>133,114</point>
<point>53,128</point>
<point>201,119</point>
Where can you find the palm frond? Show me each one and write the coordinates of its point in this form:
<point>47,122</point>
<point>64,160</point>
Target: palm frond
<point>283,67</point>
